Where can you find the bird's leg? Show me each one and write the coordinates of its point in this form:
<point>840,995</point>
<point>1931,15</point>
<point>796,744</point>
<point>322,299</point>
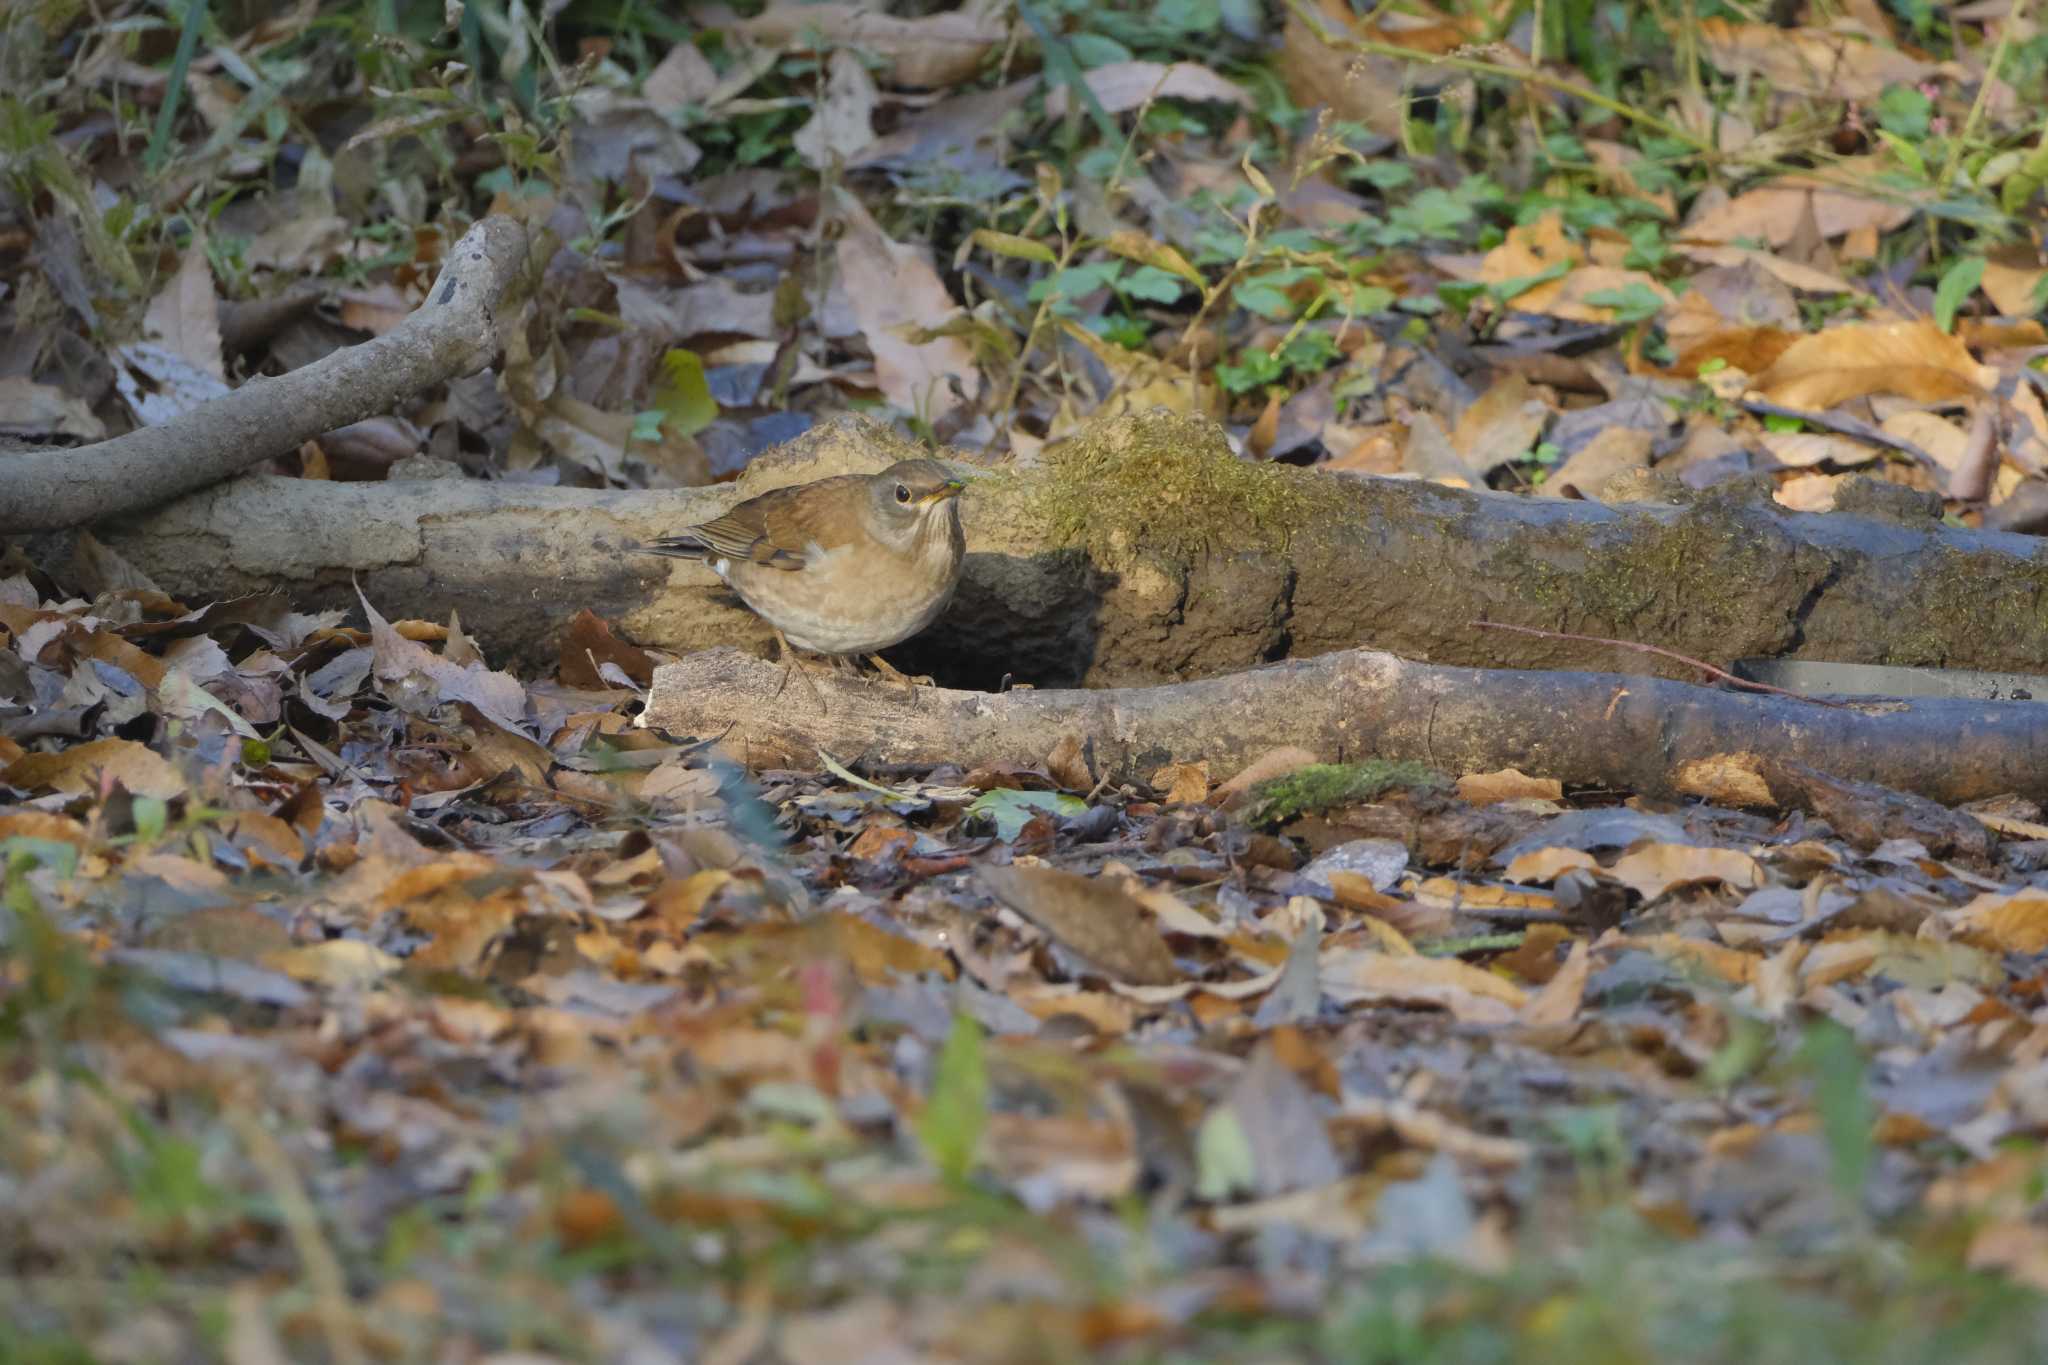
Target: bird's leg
<point>888,670</point>
<point>792,662</point>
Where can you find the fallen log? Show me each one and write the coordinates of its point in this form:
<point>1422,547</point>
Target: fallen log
<point>1144,550</point>
<point>1647,735</point>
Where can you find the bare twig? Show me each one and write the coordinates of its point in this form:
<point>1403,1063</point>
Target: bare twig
<point>454,333</point>
<point>1843,425</point>
<point>1718,674</point>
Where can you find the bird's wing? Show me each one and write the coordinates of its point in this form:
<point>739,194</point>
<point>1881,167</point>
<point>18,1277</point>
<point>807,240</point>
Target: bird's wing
<point>775,529</point>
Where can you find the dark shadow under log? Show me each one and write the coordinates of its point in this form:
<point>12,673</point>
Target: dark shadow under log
<point>1629,733</point>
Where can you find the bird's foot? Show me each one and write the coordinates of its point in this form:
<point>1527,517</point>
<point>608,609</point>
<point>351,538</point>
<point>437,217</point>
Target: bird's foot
<point>910,684</point>
<point>792,662</point>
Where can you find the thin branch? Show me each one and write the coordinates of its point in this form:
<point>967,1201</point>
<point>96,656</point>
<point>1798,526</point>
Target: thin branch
<point>1843,425</point>
<point>453,333</point>
<point>1718,674</point>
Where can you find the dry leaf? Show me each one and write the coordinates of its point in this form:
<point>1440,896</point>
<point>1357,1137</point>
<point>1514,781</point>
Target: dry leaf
<point>893,288</point>
<point>1093,918</point>
<point>1182,782</point>
<point>1351,975</point>
<point>2013,923</point>
<point>1557,1004</point>
<point>1653,869</point>
<point>1808,60</point>
<point>844,121</point>
<point>932,51</point>
<point>1121,86</point>
<point>1914,359</point>
<point>1068,765</point>
<point>83,767</point>
<point>1548,864</point>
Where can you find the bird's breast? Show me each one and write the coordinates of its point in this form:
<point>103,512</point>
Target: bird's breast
<point>851,600</point>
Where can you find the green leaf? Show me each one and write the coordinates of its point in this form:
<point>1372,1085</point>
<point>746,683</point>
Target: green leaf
<point>956,1115</point>
<point>1093,49</point>
<point>1267,301</point>
<point>1904,111</point>
<point>1224,1163</point>
<point>1831,1057</point>
<point>1153,285</point>
<point>21,852</point>
<point>1076,281</point>
<point>683,397</point>
<point>150,814</point>
<point>1635,302</point>
<point>1506,290</point>
<point>1433,212</point>
<point>1009,810</point>
<point>1958,282</point>
<point>1906,152</point>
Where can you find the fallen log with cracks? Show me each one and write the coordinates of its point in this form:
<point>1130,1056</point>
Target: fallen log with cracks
<point>1144,551</point>
<point>1654,736</point>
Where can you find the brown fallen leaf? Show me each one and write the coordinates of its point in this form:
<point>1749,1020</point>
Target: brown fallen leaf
<point>1509,784</point>
<point>2016,922</point>
<point>1351,975</point>
<point>892,288</point>
<point>1809,60</point>
<point>1182,783</point>
<point>1915,359</point>
<point>1557,1004</point>
<point>1093,918</point>
<point>932,51</point>
<point>588,644</point>
<point>83,767</point>
<point>1068,765</point>
<point>1653,869</point>
<point>1120,86</point>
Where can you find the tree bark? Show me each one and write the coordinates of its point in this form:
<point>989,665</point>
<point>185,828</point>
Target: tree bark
<point>1646,735</point>
<point>1143,550</point>
<point>453,333</point>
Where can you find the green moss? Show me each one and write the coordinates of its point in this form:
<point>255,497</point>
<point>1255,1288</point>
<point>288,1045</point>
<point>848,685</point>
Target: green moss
<point>1170,484</point>
<point>1321,786</point>
<point>1978,611</point>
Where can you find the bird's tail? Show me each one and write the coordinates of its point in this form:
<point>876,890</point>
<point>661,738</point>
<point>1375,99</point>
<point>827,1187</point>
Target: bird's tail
<point>676,547</point>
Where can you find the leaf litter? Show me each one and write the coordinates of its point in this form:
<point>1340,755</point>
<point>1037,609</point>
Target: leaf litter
<point>361,1001</point>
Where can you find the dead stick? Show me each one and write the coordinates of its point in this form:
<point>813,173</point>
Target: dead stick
<point>453,333</point>
<point>1845,426</point>
<point>1719,674</point>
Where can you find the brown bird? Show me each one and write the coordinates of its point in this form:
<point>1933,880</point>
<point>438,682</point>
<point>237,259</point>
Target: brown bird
<point>839,566</point>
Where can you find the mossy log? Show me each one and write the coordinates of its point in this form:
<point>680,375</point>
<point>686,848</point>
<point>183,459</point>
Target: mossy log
<point>1648,735</point>
<point>1144,551</point>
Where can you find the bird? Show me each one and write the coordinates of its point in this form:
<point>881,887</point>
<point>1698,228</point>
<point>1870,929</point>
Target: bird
<point>848,565</point>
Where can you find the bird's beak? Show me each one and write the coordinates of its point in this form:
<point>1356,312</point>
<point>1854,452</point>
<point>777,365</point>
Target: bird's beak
<point>949,489</point>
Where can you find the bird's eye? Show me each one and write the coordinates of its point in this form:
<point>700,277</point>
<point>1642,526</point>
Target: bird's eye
<point>902,493</point>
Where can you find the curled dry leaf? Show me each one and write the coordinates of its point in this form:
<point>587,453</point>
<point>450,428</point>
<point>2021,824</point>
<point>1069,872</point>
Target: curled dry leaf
<point>1774,212</point>
<point>2015,923</point>
<point>1181,783</point>
<point>1473,996</point>
<point>1654,869</point>
<point>893,289</point>
<point>1093,918</point>
<point>1121,86</point>
<point>933,51</point>
<point>84,767</point>
<point>1914,359</point>
<point>1808,60</point>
